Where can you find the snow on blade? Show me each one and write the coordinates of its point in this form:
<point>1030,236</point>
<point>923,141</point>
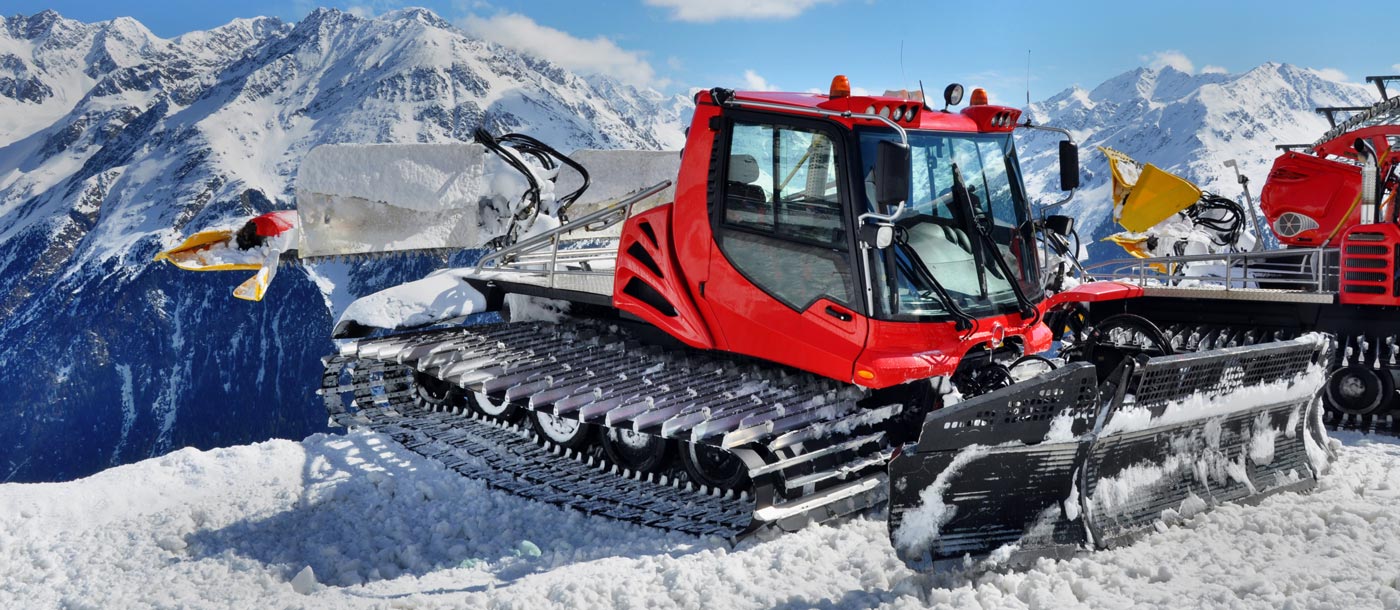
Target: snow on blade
<point>355,198</point>
<point>921,525</point>
<point>1201,406</point>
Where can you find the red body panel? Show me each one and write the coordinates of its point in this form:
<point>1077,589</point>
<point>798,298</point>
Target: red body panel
<point>1094,292</point>
<point>275,223</point>
<point>690,218</point>
<point>645,258</point>
<point>900,352</point>
<point>756,324</point>
<point>1324,190</point>
<point>1368,265</point>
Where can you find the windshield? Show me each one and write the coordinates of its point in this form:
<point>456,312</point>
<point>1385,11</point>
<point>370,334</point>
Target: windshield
<point>940,238</point>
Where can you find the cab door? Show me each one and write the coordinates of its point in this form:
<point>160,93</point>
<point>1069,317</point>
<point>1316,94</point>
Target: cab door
<point>782,285</point>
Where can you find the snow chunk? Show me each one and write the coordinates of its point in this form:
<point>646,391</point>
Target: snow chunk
<point>171,543</point>
<point>1261,445</point>
<point>305,581</point>
<point>436,298</point>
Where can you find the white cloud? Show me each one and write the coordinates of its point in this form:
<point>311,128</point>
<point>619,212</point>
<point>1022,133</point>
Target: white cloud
<point>1214,70</point>
<point>754,82</point>
<point>709,11</point>
<point>1170,58</point>
<point>1395,67</point>
<point>1330,74</point>
<point>598,55</point>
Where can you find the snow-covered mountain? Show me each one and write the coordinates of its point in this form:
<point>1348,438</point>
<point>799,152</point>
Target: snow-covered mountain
<point>1189,124</point>
<point>114,142</point>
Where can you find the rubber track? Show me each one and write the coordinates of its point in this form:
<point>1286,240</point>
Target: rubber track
<point>512,458</point>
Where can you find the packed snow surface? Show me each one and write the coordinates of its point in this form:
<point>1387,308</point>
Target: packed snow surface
<point>355,521</point>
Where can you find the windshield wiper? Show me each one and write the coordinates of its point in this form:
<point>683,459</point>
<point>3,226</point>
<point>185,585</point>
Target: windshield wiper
<point>915,266</point>
<point>963,199</point>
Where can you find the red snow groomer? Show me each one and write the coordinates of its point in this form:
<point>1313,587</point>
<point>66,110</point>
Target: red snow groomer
<point>839,308</point>
<point>1332,206</point>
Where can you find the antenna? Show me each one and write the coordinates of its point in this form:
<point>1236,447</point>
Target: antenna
<point>1028,80</point>
<point>902,81</point>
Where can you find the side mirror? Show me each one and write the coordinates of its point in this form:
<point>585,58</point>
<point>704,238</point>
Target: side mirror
<point>1069,165</point>
<point>891,173</point>
<point>878,236</point>
<point>1059,224</point>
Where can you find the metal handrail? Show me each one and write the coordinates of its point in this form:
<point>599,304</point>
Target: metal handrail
<point>595,221</point>
<point>1310,276</point>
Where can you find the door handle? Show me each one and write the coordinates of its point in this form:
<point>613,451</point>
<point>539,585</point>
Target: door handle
<point>838,314</point>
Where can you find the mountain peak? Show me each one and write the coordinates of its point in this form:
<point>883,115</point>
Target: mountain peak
<point>32,26</point>
<point>416,13</point>
<point>326,16</point>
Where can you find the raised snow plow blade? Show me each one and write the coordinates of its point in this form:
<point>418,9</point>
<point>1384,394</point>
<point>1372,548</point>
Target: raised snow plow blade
<point>1062,463</point>
<point>257,246</point>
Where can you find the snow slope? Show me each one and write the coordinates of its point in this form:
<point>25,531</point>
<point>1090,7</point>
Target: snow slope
<point>383,528</point>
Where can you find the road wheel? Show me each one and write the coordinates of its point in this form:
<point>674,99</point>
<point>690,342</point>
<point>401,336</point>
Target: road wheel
<point>500,410</point>
<point>713,466</point>
<point>631,449</point>
<point>562,431</point>
<point>1359,390</point>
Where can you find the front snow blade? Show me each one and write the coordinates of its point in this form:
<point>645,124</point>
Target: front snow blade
<point>1061,463</point>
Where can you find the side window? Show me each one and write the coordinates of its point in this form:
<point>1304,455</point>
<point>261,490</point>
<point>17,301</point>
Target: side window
<point>783,225</point>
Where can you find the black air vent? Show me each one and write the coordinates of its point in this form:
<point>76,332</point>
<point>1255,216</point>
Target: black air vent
<point>638,252</point>
<point>1355,249</point>
<point>649,232</point>
<point>1363,289</point>
<point>1366,263</point>
<point>1365,276</point>
<point>643,292</point>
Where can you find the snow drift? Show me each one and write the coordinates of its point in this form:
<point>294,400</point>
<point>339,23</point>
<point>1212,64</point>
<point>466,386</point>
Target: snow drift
<point>355,521</point>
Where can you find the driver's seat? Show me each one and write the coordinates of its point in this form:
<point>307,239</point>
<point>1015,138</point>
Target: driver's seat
<point>743,173</point>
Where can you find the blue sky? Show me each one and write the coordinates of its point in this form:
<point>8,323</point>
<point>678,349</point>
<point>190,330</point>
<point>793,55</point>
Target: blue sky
<point>880,44</point>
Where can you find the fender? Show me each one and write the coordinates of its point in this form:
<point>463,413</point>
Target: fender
<point>1093,292</point>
